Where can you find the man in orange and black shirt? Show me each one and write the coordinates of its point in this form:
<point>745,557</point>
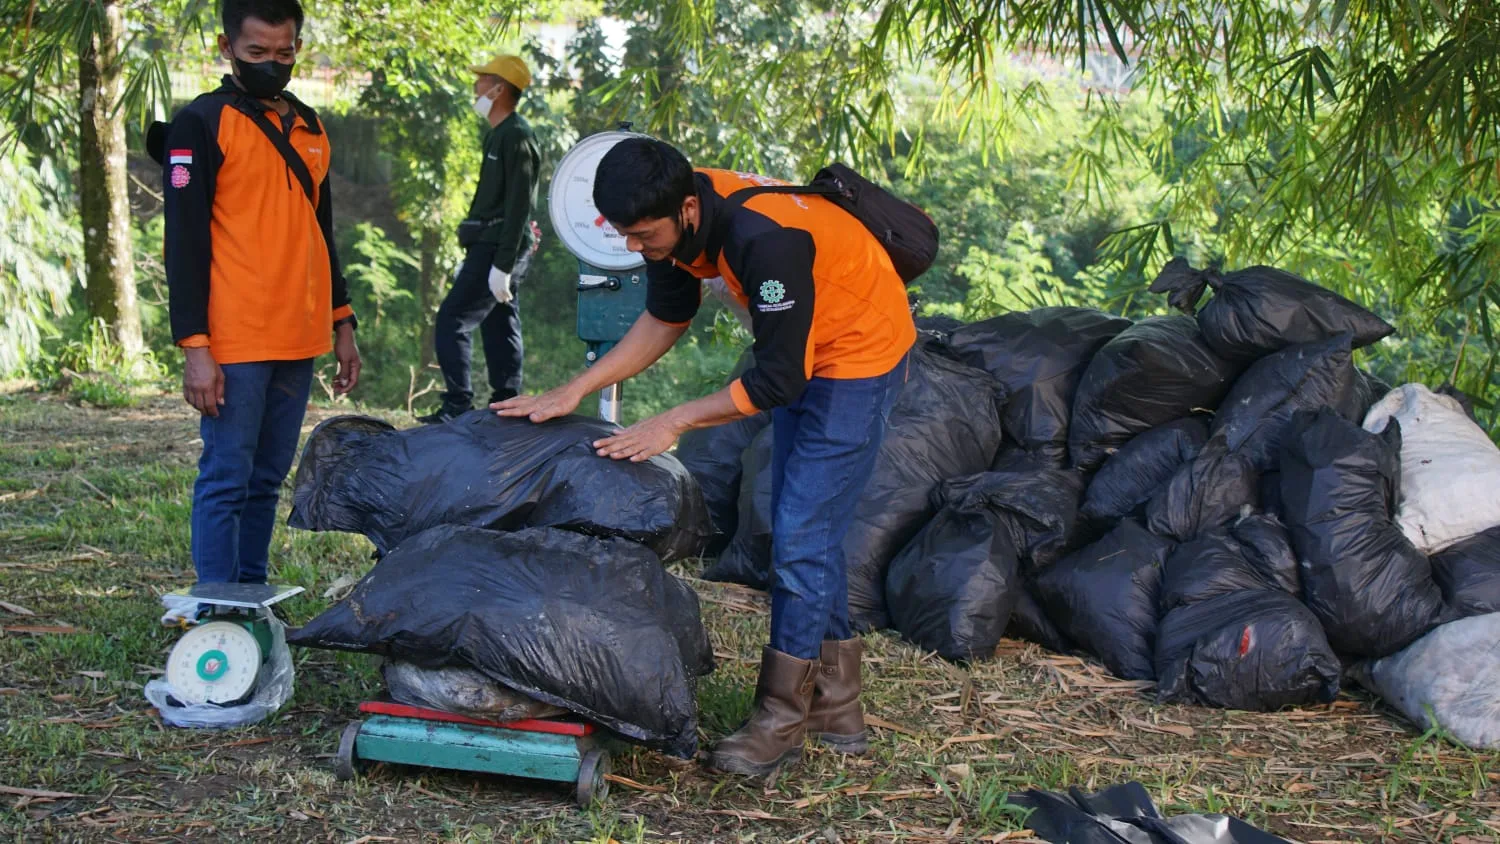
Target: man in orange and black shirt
<point>255,288</point>
<point>832,335</point>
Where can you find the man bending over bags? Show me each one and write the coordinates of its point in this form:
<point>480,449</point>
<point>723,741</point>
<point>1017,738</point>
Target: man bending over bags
<point>832,337</point>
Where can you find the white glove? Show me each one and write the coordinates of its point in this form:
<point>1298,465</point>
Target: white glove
<point>500,285</point>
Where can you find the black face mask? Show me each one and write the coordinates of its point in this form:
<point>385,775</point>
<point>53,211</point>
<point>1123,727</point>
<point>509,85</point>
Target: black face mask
<point>263,80</point>
<point>688,247</point>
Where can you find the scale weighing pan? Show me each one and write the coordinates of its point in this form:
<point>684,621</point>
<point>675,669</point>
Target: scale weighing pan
<point>219,660</point>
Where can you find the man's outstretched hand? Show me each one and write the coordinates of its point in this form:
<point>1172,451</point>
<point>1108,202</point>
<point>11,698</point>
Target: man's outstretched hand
<point>643,440</point>
<point>549,405</point>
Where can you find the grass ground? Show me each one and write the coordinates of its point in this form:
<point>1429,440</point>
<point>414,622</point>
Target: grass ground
<point>94,526</point>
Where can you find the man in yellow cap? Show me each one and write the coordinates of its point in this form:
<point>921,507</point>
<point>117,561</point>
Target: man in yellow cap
<point>499,239</point>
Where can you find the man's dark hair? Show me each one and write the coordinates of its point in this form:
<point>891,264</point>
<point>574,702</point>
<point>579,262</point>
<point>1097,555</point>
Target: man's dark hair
<point>234,13</point>
<point>640,179</point>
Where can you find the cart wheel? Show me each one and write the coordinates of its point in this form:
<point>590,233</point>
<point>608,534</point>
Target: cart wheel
<point>345,760</point>
<point>592,785</point>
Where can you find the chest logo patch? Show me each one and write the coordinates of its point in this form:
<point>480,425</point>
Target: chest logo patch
<point>772,291</point>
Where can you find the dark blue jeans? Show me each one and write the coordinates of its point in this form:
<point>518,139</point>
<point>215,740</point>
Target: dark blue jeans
<point>247,450</point>
<point>470,304</point>
<point>825,447</point>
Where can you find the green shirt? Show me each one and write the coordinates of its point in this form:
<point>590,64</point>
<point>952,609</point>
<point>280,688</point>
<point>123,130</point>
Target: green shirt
<point>506,192</point>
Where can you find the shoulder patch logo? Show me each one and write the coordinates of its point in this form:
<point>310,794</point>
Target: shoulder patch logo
<point>180,176</point>
<point>772,291</point>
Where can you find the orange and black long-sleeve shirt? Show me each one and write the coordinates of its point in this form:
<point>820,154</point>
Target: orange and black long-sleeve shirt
<point>823,296</point>
<point>251,268</point>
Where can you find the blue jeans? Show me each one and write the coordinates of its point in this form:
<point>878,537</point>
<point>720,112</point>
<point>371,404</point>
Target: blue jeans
<point>826,443</point>
<point>470,304</point>
<point>247,450</point>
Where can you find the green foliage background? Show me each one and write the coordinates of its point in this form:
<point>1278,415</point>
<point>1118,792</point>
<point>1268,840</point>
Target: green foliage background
<point>1058,173</point>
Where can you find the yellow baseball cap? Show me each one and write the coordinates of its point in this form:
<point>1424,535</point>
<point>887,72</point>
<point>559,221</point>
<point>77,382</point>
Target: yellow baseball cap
<point>510,68</point>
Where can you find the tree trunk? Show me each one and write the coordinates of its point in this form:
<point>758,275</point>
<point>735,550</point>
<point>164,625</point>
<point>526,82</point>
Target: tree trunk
<point>104,203</point>
<point>427,291</point>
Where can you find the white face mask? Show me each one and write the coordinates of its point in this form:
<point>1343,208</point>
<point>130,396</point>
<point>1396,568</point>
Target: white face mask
<point>483,105</point>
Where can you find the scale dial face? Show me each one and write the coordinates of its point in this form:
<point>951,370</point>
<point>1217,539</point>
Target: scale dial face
<point>575,218</point>
<point>215,662</point>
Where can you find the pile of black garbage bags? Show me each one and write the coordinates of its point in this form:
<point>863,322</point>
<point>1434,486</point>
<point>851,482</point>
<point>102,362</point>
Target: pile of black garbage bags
<point>519,575</point>
<point>1222,502</point>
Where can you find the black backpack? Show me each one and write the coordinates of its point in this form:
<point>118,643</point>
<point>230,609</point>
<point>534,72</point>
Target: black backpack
<point>909,236</point>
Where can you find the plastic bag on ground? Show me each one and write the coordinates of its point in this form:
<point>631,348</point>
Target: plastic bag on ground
<point>460,690</point>
<point>1371,588</point>
<point>1450,470</point>
<point>952,588</point>
<point>1152,373</point>
<point>1468,572</point>
<point>1215,489</point>
<point>1206,567</point>
<point>1104,598</point>
<point>1259,310</point>
<point>1257,650</point>
<point>1038,506</point>
<point>363,476</point>
<point>1124,814</point>
<point>272,691</point>
<point>746,560</point>
<point>1029,622</point>
<point>715,457</point>
<point>1309,376</point>
<point>946,424</point>
<point>1265,542</point>
<point>1039,357</point>
<point>596,626</point>
<point>1450,676</point>
<point>1132,475</point>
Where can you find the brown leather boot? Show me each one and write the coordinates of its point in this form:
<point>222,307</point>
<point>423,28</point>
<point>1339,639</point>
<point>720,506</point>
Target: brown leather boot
<point>777,728</point>
<point>836,717</point>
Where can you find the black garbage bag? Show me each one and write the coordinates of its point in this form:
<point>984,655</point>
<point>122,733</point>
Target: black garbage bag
<point>1257,650</point>
<point>1205,567</point>
<point>1039,356</point>
<point>1212,491</point>
<point>1260,310</point>
<point>1155,371</point>
<point>1037,505</point>
<point>1265,542</point>
<point>362,476</point>
<point>1124,814</point>
<point>1029,622</point>
<point>1468,572</point>
<point>1308,376</point>
<point>1368,390</point>
<point>1371,588</point>
<point>952,588</point>
<point>1270,492</point>
<point>746,560</point>
<point>715,458</point>
<point>1104,597</point>
<point>1132,475</point>
<point>596,626</point>
<point>945,425</point>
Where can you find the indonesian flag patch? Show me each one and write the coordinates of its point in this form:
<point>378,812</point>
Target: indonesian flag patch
<point>180,159</point>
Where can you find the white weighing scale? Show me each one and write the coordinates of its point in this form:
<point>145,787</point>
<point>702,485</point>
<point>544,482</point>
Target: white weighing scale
<point>611,278</point>
<point>219,660</point>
